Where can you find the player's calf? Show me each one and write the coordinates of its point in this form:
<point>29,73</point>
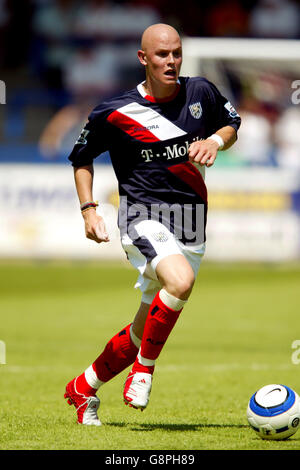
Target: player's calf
<point>163,314</point>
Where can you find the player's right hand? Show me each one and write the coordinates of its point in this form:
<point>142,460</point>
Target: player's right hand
<point>95,227</point>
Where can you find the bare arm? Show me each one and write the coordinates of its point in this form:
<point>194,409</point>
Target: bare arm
<point>94,223</point>
<point>205,151</point>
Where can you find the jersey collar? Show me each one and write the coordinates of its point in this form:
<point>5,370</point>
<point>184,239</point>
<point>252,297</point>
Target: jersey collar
<point>142,92</point>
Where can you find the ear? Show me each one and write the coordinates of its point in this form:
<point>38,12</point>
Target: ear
<point>142,57</point>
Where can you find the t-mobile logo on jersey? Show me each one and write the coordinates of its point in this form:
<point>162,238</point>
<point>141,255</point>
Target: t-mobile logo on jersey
<point>169,152</point>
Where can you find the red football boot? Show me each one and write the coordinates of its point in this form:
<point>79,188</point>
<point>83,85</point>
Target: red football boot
<point>86,406</point>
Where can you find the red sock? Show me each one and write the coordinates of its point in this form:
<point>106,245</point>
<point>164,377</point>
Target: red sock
<point>160,321</point>
<point>119,353</point>
<point>83,387</point>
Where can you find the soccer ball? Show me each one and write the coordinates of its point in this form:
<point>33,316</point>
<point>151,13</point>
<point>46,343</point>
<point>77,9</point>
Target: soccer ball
<point>274,412</point>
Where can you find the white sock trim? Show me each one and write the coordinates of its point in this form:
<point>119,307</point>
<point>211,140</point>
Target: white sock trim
<point>92,379</point>
<point>136,341</point>
<point>170,301</point>
<point>144,361</point>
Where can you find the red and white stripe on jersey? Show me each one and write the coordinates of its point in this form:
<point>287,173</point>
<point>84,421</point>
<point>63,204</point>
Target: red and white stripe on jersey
<point>191,175</point>
<point>142,92</point>
<point>144,124</point>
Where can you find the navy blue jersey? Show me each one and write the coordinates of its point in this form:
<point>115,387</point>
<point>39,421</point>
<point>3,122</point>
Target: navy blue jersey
<point>148,141</point>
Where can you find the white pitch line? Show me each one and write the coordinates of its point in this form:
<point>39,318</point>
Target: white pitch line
<point>219,367</point>
<point>226,366</point>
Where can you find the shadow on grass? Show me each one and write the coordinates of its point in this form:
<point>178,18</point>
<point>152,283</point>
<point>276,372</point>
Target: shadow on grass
<point>175,427</point>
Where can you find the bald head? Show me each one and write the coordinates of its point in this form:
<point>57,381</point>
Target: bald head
<point>158,33</point>
<point>161,54</point>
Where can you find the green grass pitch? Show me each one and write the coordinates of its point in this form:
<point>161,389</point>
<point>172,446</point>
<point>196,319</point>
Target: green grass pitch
<point>234,336</point>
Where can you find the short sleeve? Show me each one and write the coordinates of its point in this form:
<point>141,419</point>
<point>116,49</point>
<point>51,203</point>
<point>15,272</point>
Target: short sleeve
<point>93,140</point>
<point>223,112</point>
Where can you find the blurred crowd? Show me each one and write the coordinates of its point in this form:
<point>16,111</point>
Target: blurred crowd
<point>75,53</point>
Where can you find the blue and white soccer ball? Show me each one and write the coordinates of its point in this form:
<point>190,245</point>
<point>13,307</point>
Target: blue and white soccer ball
<point>274,412</point>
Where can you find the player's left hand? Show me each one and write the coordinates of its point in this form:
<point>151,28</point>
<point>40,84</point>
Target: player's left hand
<point>203,152</point>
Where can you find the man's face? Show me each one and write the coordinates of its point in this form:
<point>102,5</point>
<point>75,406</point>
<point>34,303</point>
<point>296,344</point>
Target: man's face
<point>162,58</point>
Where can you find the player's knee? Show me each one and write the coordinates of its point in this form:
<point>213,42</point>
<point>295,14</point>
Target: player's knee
<point>176,276</point>
<point>181,287</point>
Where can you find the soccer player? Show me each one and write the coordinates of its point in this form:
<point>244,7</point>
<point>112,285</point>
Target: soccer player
<point>161,136</point>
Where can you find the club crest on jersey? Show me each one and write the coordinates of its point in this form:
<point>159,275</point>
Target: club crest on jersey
<point>196,110</point>
<point>160,237</point>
